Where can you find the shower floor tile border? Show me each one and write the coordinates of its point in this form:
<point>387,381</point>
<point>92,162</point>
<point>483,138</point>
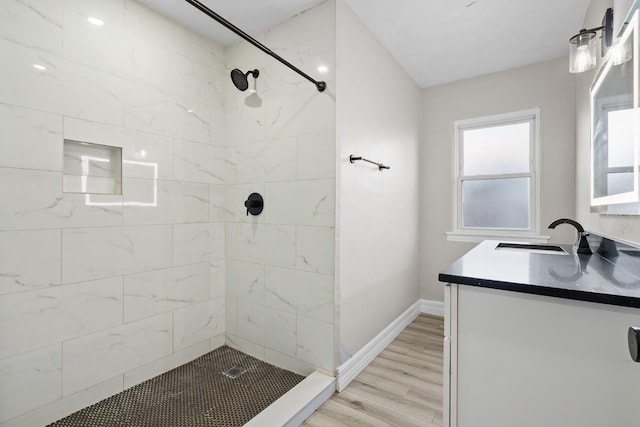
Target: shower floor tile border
<point>298,403</point>
<point>194,394</point>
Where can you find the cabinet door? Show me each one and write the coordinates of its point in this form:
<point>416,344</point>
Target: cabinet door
<point>528,361</point>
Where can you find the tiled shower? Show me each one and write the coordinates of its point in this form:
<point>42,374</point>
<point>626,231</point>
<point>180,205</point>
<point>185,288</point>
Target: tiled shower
<point>99,292</point>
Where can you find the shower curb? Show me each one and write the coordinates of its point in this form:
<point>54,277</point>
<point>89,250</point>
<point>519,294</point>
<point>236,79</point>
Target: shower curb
<point>297,404</point>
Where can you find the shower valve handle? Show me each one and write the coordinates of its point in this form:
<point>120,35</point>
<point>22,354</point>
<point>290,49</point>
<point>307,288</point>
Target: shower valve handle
<point>254,204</point>
<point>250,204</point>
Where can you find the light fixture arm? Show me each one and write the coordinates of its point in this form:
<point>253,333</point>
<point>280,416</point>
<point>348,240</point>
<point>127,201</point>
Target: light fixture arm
<point>587,31</point>
<point>607,26</point>
<point>602,27</point>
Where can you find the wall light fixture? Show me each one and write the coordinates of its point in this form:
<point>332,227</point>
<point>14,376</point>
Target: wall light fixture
<point>582,46</point>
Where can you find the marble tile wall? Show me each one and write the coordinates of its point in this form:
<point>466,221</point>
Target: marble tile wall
<point>101,292</point>
<point>280,142</point>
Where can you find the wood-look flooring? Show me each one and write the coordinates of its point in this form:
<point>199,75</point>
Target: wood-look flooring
<point>401,387</point>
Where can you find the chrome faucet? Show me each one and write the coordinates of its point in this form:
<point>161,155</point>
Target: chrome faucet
<point>581,245</point>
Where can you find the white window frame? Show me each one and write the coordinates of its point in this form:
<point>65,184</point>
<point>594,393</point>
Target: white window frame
<point>460,233</point>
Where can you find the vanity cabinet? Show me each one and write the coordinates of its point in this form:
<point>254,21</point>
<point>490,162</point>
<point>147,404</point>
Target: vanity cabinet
<point>519,359</point>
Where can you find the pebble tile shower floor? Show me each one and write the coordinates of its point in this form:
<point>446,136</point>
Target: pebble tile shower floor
<point>193,395</point>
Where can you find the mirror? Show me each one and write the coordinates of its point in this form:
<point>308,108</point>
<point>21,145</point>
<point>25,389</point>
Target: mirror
<point>615,123</point>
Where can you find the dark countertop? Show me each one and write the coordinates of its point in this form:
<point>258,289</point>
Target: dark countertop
<point>611,275</point>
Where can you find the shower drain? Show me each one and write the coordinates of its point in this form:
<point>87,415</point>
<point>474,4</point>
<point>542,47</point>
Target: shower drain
<point>234,372</point>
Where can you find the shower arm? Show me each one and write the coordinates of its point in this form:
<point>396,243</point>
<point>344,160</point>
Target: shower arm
<point>320,85</point>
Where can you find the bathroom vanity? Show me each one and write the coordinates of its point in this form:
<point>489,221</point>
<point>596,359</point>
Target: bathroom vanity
<point>541,338</point>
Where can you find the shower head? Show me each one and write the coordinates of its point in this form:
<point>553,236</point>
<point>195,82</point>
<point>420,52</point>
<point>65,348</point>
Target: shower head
<point>239,78</point>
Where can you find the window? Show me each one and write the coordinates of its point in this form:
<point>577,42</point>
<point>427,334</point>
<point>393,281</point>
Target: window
<point>496,177</point>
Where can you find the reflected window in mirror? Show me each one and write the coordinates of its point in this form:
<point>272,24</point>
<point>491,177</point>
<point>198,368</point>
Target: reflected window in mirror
<point>614,133</point>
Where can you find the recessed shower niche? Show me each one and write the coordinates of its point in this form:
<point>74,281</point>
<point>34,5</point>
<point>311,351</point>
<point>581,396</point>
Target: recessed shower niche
<point>91,168</point>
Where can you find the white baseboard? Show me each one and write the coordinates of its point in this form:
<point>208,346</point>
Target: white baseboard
<point>346,372</point>
<point>435,308</point>
<point>352,367</point>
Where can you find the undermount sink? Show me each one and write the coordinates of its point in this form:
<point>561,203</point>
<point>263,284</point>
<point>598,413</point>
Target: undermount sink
<point>532,248</point>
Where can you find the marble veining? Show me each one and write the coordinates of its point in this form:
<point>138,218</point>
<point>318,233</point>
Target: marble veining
<point>244,125</point>
<point>116,350</point>
<point>267,327</point>
<point>145,155</point>
<point>29,260</point>
<point>45,206</point>
<point>154,292</point>
<point>195,162</point>
<point>33,24</point>
<point>164,202</point>
<point>80,38</point>
<point>299,113</point>
<point>255,243</point>
<point>314,342</point>
<point>231,315</point>
<point>235,196</point>
<point>304,293</point>
<point>39,374</point>
<point>316,155</point>
<point>301,202</point>
<point>91,253</point>
<point>293,364</point>
<point>266,161</point>
<point>32,209</point>
<point>280,265</point>
<point>77,153</point>
<point>194,243</point>
<point>153,110</point>
<point>245,280</point>
<point>160,366</point>
<point>198,322</point>
<point>37,318</point>
<point>92,95</point>
<point>137,283</point>
<point>591,278</point>
<point>90,210</point>
<point>217,198</point>
<point>193,122</point>
<point>217,278</point>
<point>246,346</point>
<point>23,85</point>
<point>315,249</point>
<point>30,139</point>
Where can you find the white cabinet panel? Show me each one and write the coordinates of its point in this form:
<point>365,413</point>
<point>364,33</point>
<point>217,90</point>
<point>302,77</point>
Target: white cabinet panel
<point>531,361</point>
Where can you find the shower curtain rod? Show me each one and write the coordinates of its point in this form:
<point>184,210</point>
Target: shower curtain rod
<point>320,85</point>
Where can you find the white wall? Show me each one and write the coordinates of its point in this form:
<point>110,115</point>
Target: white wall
<point>547,85</point>
<point>123,291</point>
<point>280,265</point>
<point>378,117</point>
<point>625,228</point>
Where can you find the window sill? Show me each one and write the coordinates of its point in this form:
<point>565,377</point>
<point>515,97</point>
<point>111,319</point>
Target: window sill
<point>466,236</point>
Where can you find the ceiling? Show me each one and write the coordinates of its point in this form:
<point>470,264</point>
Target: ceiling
<point>435,41</point>
<point>251,16</point>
